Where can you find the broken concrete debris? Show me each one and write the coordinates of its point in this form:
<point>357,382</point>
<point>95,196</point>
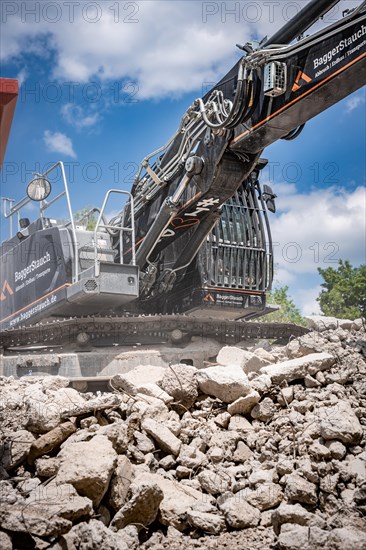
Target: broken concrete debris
<point>267,442</point>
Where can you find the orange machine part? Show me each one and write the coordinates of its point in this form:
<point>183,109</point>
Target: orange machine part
<point>8,98</point>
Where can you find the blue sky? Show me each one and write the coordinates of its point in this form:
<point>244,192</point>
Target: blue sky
<point>105,83</point>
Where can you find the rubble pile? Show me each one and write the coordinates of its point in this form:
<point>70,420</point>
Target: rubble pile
<point>264,449</point>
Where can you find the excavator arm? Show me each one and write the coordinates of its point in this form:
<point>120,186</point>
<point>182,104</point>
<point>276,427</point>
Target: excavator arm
<point>272,91</point>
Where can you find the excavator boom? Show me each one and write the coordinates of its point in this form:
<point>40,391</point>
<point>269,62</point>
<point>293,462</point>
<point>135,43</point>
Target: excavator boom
<point>269,95</point>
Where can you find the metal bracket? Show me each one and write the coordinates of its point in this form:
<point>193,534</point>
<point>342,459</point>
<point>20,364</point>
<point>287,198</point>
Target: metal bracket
<point>152,174</point>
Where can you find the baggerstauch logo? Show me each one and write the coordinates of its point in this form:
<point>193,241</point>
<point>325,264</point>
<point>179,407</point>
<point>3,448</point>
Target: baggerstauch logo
<point>344,43</point>
<point>36,264</point>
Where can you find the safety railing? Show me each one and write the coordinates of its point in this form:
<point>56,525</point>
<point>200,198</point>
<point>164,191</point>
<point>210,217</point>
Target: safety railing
<point>8,203</point>
<point>43,205</point>
<point>115,229</point>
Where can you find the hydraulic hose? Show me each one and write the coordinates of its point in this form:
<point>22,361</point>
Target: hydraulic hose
<point>294,133</point>
<point>256,95</point>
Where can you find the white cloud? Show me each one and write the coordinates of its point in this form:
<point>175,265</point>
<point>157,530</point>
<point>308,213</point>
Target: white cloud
<point>318,228</point>
<point>315,229</point>
<point>306,300</point>
<point>22,76</point>
<point>282,276</point>
<point>165,47</point>
<point>76,116</point>
<point>355,101</point>
<point>58,143</point>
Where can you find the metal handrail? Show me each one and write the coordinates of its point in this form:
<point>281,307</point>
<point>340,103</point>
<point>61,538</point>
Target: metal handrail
<point>7,201</point>
<point>86,215</point>
<point>43,206</point>
<point>120,229</point>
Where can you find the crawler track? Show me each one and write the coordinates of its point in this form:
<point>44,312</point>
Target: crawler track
<point>126,330</point>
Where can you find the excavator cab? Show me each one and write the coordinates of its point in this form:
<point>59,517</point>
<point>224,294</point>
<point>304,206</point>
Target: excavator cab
<point>56,267</point>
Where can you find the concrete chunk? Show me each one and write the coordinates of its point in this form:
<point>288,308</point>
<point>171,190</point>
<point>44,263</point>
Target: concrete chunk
<point>51,440</point>
<point>142,508</point>
<point>105,401</point>
<point>226,383</point>
<point>153,390</point>
<point>93,535</point>
<point>180,382</point>
<point>244,405</point>
<point>261,358</point>
<point>265,496</point>
<point>5,541</point>
<point>322,323</point>
<point>120,483</point>
<point>178,499</point>
<point>47,467</point>
<point>299,489</point>
<point>214,482</point>
<point>88,466</point>
<point>233,356</point>
<point>16,449</point>
<point>294,513</point>
<point>239,514</point>
<point>34,519</point>
<point>207,522</point>
<point>61,500</point>
<point>296,369</point>
<point>298,537</point>
<point>340,422</point>
<point>143,374</point>
<point>167,441</point>
<point>242,452</point>
<point>347,537</point>
<point>45,412</point>
<point>239,423</point>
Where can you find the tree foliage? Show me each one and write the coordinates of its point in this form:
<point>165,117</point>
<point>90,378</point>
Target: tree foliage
<point>287,312</point>
<point>90,220</point>
<point>344,294</point>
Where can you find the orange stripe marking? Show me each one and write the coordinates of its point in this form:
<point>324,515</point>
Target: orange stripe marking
<point>30,305</point>
<point>298,76</point>
<point>190,200</point>
<point>306,77</point>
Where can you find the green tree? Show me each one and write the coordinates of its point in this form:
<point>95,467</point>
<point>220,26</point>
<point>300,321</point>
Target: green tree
<point>84,216</point>
<point>287,312</point>
<point>344,294</point>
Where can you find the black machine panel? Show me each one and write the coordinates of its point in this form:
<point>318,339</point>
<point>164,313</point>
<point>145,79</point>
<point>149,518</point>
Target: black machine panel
<point>34,277</point>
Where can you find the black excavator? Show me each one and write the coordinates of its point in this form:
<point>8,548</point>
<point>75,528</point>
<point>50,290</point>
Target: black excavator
<point>192,236</point>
